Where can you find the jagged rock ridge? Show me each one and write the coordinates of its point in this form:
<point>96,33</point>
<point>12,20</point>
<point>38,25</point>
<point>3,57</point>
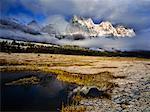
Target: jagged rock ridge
<point>86,27</point>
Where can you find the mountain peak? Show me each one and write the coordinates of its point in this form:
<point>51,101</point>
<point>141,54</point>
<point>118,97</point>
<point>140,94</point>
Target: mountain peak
<point>34,25</point>
<point>32,22</point>
<point>105,24</point>
<point>105,28</point>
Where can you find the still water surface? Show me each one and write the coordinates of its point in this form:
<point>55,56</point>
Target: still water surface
<point>48,95</point>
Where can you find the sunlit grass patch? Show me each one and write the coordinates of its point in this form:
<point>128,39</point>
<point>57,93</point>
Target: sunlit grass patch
<point>25,81</point>
<point>18,68</point>
<point>73,108</point>
<point>100,80</point>
<point>53,71</point>
<point>4,62</point>
<point>35,62</point>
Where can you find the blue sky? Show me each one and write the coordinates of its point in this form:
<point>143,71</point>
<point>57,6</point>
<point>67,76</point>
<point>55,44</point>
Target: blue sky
<point>133,13</point>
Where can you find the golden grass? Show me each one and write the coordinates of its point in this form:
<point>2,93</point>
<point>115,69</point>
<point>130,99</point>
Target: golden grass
<point>47,59</point>
<point>25,81</point>
<point>18,61</point>
<point>101,80</point>
<point>52,71</point>
<point>36,62</point>
<point>5,62</point>
<point>18,68</point>
<point>73,108</point>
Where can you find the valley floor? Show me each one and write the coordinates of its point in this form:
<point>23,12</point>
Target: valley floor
<point>133,77</point>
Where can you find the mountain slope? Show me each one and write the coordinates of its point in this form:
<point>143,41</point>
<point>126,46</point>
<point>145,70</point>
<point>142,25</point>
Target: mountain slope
<point>10,29</point>
<point>49,29</point>
<point>10,24</point>
<point>34,25</point>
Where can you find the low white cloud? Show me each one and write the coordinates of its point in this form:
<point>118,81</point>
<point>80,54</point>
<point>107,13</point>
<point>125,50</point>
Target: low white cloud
<point>140,42</point>
<point>58,22</point>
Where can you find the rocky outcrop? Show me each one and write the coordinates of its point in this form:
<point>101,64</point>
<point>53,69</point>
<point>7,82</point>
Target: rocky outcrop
<point>87,91</point>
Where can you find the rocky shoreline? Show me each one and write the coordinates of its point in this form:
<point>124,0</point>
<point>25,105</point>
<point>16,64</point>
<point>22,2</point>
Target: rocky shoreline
<point>132,94</point>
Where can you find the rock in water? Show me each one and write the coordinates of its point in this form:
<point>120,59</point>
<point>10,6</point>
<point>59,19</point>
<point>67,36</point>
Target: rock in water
<point>94,92</point>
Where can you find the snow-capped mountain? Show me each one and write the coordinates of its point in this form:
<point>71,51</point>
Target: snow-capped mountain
<point>11,24</point>
<point>34,25</point>
<point>87,28</point>
<point>79,28</point>
<point>49,29</point>
<point>12,29</point>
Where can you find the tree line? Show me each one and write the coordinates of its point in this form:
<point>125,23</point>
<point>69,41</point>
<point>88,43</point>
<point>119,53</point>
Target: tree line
<point>28,47</point>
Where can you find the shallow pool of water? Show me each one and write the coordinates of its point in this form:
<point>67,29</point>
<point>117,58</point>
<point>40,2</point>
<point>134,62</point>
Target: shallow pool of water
<point>48,95</point>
